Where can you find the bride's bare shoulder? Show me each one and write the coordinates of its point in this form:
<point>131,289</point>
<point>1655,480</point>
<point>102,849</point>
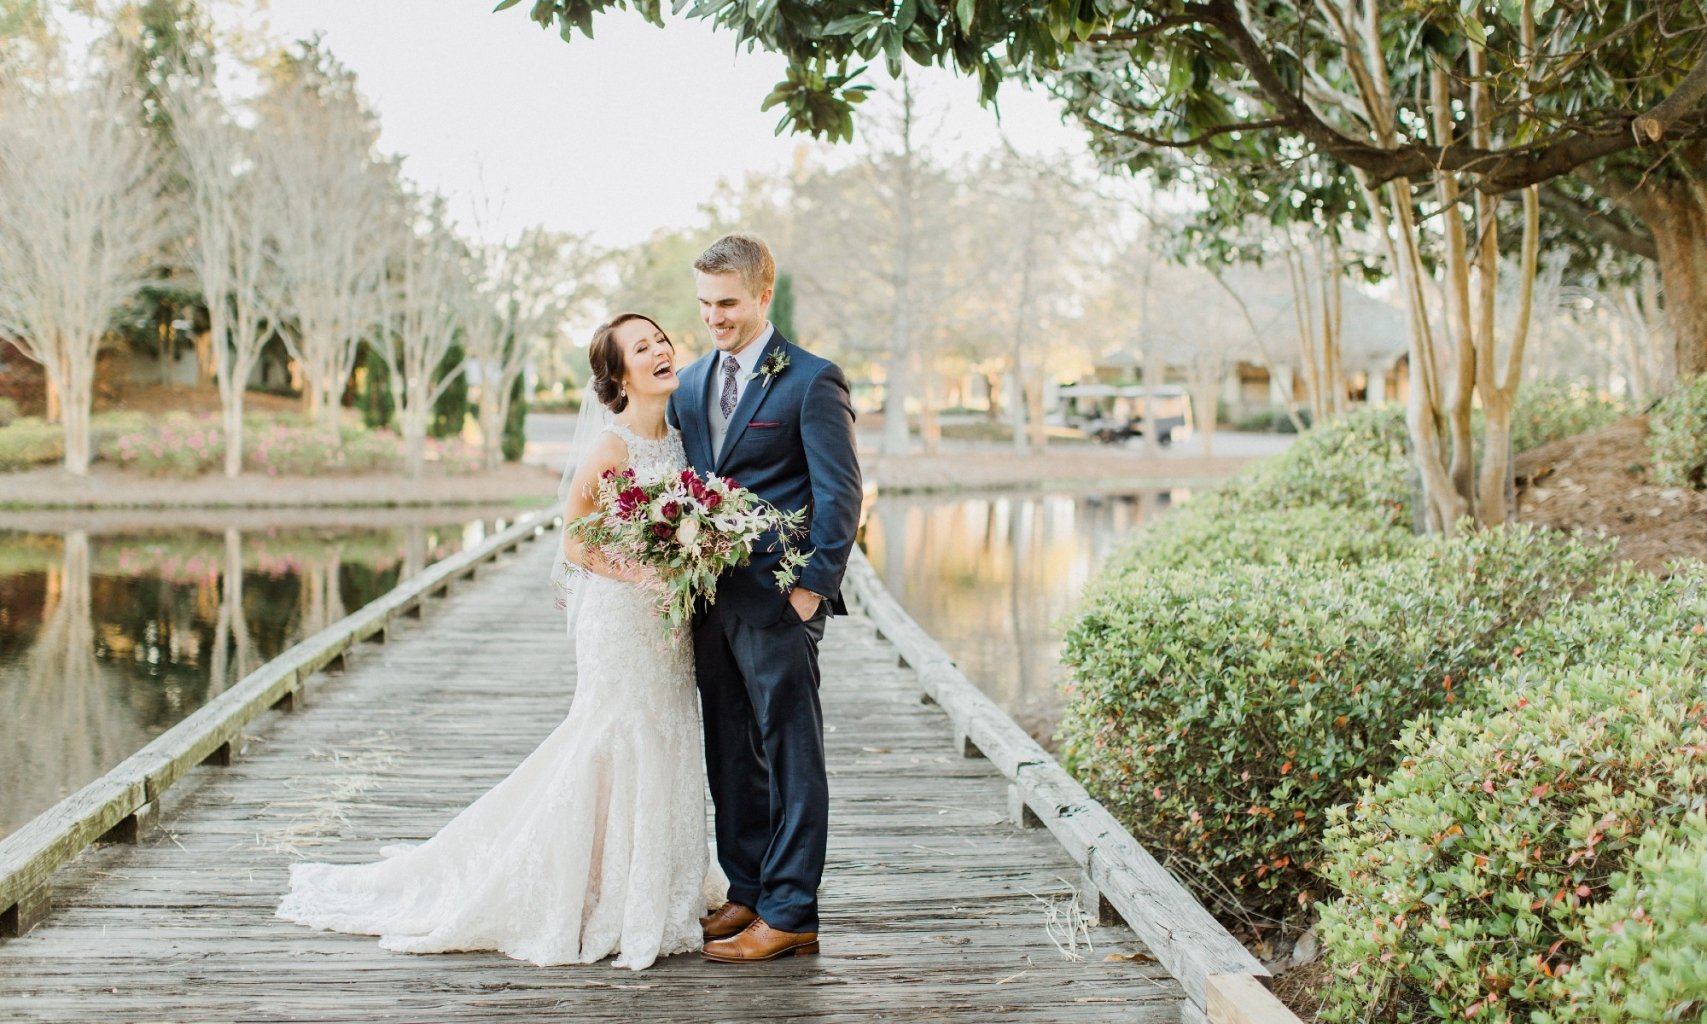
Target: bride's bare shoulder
<point>609,451</point>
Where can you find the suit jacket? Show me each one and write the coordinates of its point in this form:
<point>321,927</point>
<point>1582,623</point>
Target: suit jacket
<point>791,442</point>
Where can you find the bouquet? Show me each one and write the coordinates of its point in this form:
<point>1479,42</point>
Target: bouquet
<point>686,531</point>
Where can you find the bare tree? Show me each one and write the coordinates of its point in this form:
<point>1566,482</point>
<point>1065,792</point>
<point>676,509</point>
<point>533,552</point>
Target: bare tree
<point>82,226</point>
<point>230,248</point>
<point>316,148</point>
<point>423,301</point>
<point>528,292</point>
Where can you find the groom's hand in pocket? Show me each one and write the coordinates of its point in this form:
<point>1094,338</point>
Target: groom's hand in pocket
<point>804,602</point>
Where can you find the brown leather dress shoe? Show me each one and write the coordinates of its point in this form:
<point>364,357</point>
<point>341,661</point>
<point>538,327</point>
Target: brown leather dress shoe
<point>760,942</point>
<point>729,919</point>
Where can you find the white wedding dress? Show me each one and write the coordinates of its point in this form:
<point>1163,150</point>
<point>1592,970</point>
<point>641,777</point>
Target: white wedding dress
<point>595,845</point>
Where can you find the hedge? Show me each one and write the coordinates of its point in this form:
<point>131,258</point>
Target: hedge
<point>1221,715</point>
<point>1471,874</point>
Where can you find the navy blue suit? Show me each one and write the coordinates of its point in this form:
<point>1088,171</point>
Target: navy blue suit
<point>790,441</point>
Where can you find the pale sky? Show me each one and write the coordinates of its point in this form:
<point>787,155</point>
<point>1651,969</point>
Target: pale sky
<point>615,136</point>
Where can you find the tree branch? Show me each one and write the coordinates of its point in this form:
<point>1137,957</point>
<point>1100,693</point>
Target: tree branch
<point>1195,140</point>
<point>1499,170</point>
<point>1667,112</point>
<point>1628,238</point>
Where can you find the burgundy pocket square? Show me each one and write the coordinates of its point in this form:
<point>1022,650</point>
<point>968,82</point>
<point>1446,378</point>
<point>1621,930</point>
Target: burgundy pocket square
<point>756,425</point>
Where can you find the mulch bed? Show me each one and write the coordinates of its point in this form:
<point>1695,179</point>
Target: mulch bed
<point>1599,481</point>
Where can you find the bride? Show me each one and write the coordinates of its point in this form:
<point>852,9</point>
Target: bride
<point>596,844</point>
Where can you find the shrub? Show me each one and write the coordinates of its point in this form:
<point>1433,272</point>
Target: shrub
<point>1358,461</point>
<point>367,451</point>
<point>1469,875</point>
<point>8,412</point>
<point>30,441</point>
<point>179,446</point>
<point>1677,438</point>
<point>1212,532</point>
<point>1548,410</point>
<point>296,449</point>
<point>513,441</point>
<point>1645,948</point>
<point>1221,715</point>
<point>1633,620</point>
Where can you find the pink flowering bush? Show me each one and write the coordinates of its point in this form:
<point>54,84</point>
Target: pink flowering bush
<point>179,446</point>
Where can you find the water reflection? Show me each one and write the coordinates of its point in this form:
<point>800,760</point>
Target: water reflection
<point>993,577</point>
<point>113,629</point>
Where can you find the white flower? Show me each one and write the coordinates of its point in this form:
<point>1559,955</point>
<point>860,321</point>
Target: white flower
<point>688,532</point>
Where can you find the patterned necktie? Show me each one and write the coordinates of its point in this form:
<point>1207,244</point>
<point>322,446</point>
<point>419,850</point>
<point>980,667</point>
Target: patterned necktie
<point>726,402</point>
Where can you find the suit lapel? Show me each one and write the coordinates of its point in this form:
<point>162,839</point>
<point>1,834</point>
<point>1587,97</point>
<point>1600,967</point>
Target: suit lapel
<point>757,390</point>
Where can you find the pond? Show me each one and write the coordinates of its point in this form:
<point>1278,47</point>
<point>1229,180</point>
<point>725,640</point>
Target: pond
<point>993,577</point>
<point>116,625</point>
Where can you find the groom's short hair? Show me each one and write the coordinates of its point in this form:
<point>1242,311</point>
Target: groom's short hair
<point>746,255</point>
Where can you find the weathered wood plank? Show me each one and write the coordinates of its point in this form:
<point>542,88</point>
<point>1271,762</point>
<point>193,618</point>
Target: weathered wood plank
<point>1181,933</point>
<point>1243,999</point>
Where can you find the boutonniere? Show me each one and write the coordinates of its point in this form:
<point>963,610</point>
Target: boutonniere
<point>772,367</point>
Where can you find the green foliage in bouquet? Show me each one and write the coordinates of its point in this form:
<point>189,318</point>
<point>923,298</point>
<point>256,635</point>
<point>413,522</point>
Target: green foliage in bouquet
<point>1471,875</point>
<point>1677,438</point>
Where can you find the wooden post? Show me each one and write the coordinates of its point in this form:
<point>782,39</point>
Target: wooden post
<point>30,910</point>
<point>221,755</point>
<point>1243,999</point>
<point>1019,812</point>
<point>131,827</point>
<point>1095,906</point>
<point>964,744</point>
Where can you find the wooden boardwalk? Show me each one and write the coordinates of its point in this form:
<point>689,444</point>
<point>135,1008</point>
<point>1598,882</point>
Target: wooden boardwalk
<point>935,907</point>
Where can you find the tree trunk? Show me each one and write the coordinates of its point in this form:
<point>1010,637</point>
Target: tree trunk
<point>930,427</point>
<point>78,398</point>
<point>234,434</point>
<point>1037,414</point>
<point>1676,213</point>
<point>1153,367</point>
<point>895,391</point>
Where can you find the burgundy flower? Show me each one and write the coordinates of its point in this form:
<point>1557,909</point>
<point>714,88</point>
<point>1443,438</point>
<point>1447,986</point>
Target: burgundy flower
<point>671,509</point>
<point>662,531</point>
<point>711,500</point>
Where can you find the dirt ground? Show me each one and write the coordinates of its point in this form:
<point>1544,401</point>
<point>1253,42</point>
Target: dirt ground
<point>1600,481</point>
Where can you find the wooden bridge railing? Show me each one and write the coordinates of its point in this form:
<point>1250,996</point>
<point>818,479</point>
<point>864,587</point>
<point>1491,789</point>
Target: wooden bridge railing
<point>118,805</point>
<point>1223,982</point>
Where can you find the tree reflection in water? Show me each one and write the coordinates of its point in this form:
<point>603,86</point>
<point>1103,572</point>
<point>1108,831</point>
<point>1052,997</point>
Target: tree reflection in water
<point>994,577</point>
<point>110,636</point>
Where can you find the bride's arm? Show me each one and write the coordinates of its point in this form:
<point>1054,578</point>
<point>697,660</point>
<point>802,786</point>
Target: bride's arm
<point>609,452</point>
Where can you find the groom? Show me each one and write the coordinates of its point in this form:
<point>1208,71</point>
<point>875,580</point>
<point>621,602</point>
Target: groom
<point>776,419</point>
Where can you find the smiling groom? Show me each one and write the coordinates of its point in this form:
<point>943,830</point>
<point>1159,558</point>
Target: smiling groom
<point>778,420</point>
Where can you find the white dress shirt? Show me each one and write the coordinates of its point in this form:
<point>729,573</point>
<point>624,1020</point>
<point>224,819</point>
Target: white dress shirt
<point>747,363</point>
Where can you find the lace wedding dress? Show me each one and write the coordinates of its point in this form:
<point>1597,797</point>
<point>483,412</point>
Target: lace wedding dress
<point>594,845</point>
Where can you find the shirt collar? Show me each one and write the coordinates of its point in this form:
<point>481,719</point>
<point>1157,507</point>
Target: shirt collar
<point>748,359</point>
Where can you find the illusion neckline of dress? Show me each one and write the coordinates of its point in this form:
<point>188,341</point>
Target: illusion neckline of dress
<point>670,433</point>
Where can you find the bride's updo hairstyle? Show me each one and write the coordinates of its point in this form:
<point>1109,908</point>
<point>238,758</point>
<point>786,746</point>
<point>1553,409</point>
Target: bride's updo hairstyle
<point>609,365</point>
